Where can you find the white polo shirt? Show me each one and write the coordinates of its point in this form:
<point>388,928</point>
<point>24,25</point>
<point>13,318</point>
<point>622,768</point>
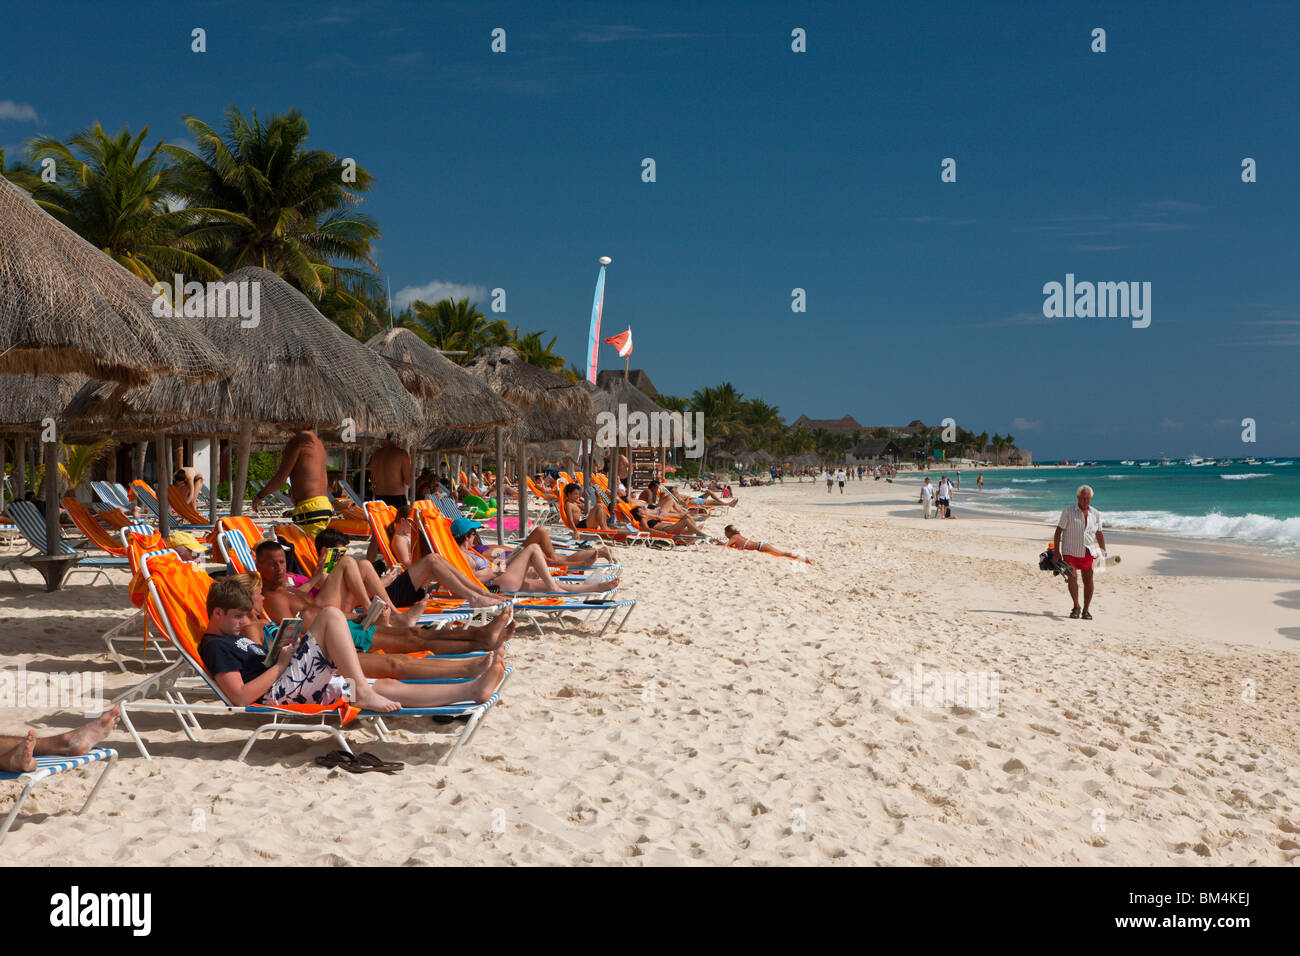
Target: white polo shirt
<point>1080,534</point>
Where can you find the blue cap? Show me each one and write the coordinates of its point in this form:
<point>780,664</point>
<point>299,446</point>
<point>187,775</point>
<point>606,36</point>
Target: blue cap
<point>463,526</point>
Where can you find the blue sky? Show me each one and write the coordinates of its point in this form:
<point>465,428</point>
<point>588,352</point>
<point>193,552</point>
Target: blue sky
<point>778,170</point>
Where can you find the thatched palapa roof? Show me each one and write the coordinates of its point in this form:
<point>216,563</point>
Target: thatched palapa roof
<point>67,307</point>
<point>290,368</point>
<point>449,396</point>
<point>552,407</point>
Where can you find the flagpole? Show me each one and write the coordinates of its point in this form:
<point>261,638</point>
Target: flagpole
<point>593,355</point>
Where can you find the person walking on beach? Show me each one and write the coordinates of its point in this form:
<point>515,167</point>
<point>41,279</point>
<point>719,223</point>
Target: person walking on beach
<point>945,497</point>
<point>303,464</point>
<point>1078,540</point>
<point>830,479</point>
<point>927,494</point>
<point>979,482</point>
<point>839,476</point>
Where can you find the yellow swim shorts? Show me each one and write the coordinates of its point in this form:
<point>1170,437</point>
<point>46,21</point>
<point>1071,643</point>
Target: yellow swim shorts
<point>312,515</point>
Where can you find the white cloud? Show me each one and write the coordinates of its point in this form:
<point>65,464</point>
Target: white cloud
<point>9,110</point>
<point>1025,424</point>
<point>1168,424</point>
<point>436,291</point>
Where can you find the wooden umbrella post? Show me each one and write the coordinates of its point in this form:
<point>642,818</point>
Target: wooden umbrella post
<point>50,486</point>
<point>501,493</point>
<point>522,485</point>
<point>238,486</point>
<point>163,456</point>
<point>20,467</point>
<point>214,476</point>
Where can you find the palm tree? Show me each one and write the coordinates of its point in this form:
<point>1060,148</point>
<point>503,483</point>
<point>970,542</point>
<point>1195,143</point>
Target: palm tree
<point>120,201</point>
<point>77,460</point>
<point>266,200</point>
<point>532,351</point>
<point>458,327</point>
<point>1009,441</point>
<point>998,442</point>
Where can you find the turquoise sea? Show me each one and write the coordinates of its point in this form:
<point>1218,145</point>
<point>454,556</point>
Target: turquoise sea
<point>1248,503</point>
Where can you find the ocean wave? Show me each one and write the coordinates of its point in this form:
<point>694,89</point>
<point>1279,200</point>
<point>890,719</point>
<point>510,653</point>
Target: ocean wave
<point>1117,477</point>
<point>1249,474</point>
<point>1258,529</point>
<point>1027,481</point>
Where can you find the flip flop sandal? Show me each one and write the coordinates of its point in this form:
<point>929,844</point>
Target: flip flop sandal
<point>1074,613</point>
<point>368,761</point>
<point>1087,616</point>
<point>335,758</point>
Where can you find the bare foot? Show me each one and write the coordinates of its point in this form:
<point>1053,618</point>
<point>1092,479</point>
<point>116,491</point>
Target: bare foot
<point>368,699</point>
<point>411,616</point>
<point>486,600</point>
<point>85,737</point>
<point>604,585</point>
<point>485,686</point>
<point>489,635</point>
<point>20,759</point>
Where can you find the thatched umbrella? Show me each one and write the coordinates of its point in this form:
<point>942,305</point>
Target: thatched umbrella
<point>290,367</point>
<point>27,404</point>
<point>67,307</point>
<point>619,399</point>
<point>552,408</point>
<point>456,403</point>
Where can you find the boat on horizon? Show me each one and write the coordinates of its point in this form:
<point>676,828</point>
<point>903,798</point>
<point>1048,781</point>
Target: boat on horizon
<point>1127,461</point>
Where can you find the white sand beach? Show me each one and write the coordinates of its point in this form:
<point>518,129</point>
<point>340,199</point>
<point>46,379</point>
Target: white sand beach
<point>744,716</point>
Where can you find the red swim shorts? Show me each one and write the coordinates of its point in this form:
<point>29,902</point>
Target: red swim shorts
<point>1080,564</point>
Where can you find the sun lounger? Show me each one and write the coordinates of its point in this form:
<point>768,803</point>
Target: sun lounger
<point>149,501</point>
<point>234,549</point>
<point>182,507</point>
<point>111,494</point>
<point>304,548</point>
<point>175,605</point>
<point>531,604</point>
<point>66,559</point>
<point>136,540</point>
<point>614,535</point>
<point>96,533</point>
<point>47,767</point>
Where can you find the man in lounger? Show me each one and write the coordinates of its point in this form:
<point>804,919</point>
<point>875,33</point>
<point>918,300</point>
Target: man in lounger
<point>597,519</point>
<point>738,541</point>
<point>303,465</point>
<point>18,754</point>
<point>322,667</point>
<point>346,588</point>
<point>400,666</point>
<point>188,481</point>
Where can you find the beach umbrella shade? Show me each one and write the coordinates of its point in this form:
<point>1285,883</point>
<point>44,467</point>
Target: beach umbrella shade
<point>65,306</point>
<point>287,368</point>
<point>550,406</point>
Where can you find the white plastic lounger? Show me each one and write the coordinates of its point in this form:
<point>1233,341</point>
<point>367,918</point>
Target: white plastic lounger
<point>188,674</point>
<point>31,524</point>
<point>47,767</point>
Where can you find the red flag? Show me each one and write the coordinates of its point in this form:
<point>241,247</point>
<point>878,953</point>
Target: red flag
<point>622,342</point>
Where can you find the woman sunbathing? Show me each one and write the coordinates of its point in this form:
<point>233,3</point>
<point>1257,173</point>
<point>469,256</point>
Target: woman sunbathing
<point>736,540</point>
<point>525,570</point>
<point>643,520</point>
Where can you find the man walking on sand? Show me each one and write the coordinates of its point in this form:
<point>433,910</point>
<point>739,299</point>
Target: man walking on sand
<point>1078,540</point>
<point>303,464</point>
<point>927,494</point>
